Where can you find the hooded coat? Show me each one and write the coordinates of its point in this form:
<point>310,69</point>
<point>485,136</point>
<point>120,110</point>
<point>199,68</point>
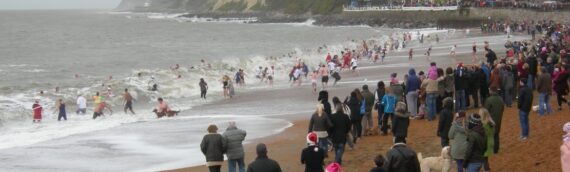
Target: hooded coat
<point>413,83</point>
<point>401,121</point>
<point>459,144</point>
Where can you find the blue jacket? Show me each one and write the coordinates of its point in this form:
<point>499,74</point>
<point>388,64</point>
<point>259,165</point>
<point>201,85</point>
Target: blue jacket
<point>413,82</point>
<point>487,72</point>
<point>389,103</point>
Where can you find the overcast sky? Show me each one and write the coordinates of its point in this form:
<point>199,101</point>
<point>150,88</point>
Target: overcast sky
<point>58,4</point>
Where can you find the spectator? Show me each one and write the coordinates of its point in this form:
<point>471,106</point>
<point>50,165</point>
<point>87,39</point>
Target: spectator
<point>400,123</point>
<point>389,104</point>
<point>495,107</point>
<point>459,137</point>
<point>213,147</point>
<point>412,89</point>
<point>262,163</point>
<point>235,153</point>
<point>379,162</point>
<point>524,105</point>
<point>312,156</point>
<point>341,128</point>
<point>489,126</point>
<point>544,88</point>
<point>474,154</point>
<point>445,121</point>
<point>401,158</point>
<point>320,124</point>
<point>367,122</point>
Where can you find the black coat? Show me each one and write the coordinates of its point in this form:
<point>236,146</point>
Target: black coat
<point>532,64</point>
<point>525,99</point>
<point>327,106</point>
<point>213,147</point>
<point>445,121</point>
<point>401,159</point>
<point>313,160</point>
<point>354,106</point>
<point>400,124</point>
<point>342,125</point>
<point>460,79</point>
<point>263,164</point>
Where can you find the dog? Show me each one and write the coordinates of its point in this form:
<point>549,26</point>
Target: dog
<point>442,163</point>
<point>168,114</point>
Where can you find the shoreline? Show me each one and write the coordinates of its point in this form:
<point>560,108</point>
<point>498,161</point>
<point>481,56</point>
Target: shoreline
<point>285,146</point>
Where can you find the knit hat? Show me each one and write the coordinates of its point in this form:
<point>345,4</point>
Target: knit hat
<point>566,127</point>
<point>475,119</point>
<point>312,138</point>
<point>334,167</point>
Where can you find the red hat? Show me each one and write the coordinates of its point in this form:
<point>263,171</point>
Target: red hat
<point>312,138</point>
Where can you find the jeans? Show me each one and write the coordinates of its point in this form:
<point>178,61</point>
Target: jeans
<point>544,100</point>
<point>459,165</point>
<point>508,96</point>
<point>232,165</point>
<point>474,167</point>
<point>523,117</point>
<point>356,129</point>
<point>367,122</point>
<point>460,100</point>
<point>339,150</point>
<point>412,102</point>
<point>431,104</point>
<point>324,144</point>
<point>380,116</point>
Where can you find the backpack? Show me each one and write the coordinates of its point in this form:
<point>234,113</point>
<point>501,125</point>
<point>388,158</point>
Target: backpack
<point>363,107</point>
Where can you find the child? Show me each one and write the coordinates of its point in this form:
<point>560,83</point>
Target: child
<point>314,76</point>
<point>389,104</point>
<point>379,161</point>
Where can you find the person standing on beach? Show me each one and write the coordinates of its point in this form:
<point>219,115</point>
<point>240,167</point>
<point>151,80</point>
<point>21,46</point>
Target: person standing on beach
<point>314,76</point>
<point>313,156</point>
<point>428,53</point>
<point>401,158</point>
<point>495,106</point>
<point>476,145</point>
<point>37,111</point>
<point>412,90</point>
<point>544,88</point>
<point>489,126</point>
<point>81,105</point>
<point>213,147</point>
<point>367,121</point>
<point>320,124</point>
<point>128,101</point>
<point>452,51</point>
<point>445,121</point>
<point>354,65</point>
<point>203,88</point>
<point>400,123</point>
<point>341,128</point>
<point>524,104</point>
<point>389,104</point>
<point>474,55</point>
<point>460,80</point>
<point>410,54</point>
<point>225,84</point>
<point>458,134</point>
<point>234,138</point>
<point>354,103</point>
<point>61,110</point>
<point>263,163</point>
<point>324,71</point>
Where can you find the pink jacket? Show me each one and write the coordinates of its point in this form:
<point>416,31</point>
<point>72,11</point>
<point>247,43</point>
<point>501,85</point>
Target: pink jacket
<point>565,156</point>
<point>432,73</point>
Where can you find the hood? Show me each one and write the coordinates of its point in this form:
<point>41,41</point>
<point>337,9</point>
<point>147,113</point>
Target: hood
<point>412,72</point>
<point>231,127</point>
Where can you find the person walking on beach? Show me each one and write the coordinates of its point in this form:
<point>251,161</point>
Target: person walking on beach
<point>565,148</point>
<point>389,104</point>
<point>378,95</point>
<point>524,104</point>
<point>561,86</point>
<point>313,156</point>
<point>340,130</point>
<point>495,106</point>
<point>401,158</point>
<point>410,54</point>
<point>354,65</point>
<point>544,88</point>
<point>476,145</point>
<point>263,163</point>
<point>213,147</point>
<point>474,54</point>
<point>367,121</point>
<point>458,135</point>
<point>324,72</point>
<point>324,99</point>
<point>400,123</point>
<point>60,106</point>
<point>412,90</point>
<point>320,124</point>
<point>489,127</point>
<point>128,101</point>
<point>37,111</point>
<point>314,76</point>
<point>203,88</point>
<point>81,105</point>
<point>428,53</point>
<point>234,138</point>
<point>354,104</point>
<point>445,121</point>
<point>225,84</point>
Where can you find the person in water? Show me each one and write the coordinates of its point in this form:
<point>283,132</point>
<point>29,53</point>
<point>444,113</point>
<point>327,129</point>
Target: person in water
<point>203,88</point>
<point>128,101</point>
<point>225,84</point>
<point>37,110</point>
<point>162,106</point>
<point>61,107</point>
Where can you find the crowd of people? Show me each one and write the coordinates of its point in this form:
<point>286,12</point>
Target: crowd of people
<point>467,100</point>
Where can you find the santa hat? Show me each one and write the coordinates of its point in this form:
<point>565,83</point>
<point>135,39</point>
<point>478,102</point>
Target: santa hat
<point>312,138</point>
<point>334,167</point>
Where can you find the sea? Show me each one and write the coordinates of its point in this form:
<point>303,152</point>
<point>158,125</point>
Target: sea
<point>81,52</point>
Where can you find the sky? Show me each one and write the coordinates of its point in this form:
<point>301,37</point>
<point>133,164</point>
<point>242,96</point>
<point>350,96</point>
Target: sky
<point>57,4</point>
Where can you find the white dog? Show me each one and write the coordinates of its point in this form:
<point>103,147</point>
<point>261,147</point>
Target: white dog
<point>442,163</point>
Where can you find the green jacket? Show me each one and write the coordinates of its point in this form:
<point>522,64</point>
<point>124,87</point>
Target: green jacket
<point>459,144</point>
<point>490,135</point>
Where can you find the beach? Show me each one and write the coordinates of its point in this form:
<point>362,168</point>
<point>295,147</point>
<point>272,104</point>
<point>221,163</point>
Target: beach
<point>539,153</point>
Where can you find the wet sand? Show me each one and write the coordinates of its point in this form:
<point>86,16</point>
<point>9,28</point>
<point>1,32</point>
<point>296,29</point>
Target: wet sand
<point>539,153</point>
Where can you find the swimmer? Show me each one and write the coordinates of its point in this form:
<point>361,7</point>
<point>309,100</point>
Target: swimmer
<point>325,71</point>
<point>452,51</point>
<point>203,88</point>
<point>128,101</point>
<point>314,76</point>
<point>37,111</point>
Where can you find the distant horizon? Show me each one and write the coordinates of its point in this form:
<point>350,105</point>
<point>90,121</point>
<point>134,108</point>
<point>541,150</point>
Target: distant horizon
<point>58,4</point>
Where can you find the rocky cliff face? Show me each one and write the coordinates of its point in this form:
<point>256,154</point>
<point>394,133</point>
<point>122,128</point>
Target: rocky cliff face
<point>196,6</point>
